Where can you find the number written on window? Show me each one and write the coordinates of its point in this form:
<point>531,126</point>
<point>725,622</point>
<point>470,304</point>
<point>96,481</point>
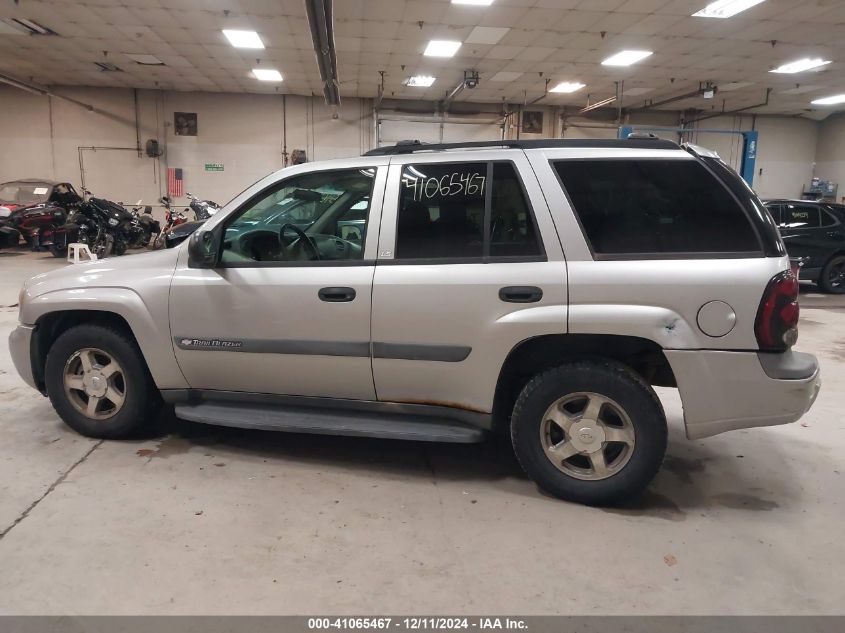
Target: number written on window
<point>456,183</point>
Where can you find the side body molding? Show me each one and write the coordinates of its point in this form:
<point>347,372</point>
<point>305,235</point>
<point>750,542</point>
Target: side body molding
<point>150,328</point>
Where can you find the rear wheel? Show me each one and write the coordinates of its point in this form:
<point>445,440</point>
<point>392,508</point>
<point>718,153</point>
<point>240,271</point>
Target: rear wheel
<point>58,250</point>
<point>589,431</point>
<point>98,382</point>
<point>832,278</point>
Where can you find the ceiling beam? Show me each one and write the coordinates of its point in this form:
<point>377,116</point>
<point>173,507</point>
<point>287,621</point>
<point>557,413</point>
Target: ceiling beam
<point>321,23</point>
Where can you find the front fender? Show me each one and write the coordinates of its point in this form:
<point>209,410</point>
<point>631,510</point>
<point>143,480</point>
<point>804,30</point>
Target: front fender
<point>150,327</point>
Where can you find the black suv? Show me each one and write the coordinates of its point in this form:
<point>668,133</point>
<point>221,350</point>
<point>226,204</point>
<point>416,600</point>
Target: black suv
<point>814,234</point>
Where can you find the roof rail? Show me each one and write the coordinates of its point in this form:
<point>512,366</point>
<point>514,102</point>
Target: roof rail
<point>412,146</point>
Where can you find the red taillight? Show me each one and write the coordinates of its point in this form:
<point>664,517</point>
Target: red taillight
<point>776,326</point>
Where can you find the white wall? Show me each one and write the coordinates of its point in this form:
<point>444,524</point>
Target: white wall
<point>41,137</point>
<point>830,159</point>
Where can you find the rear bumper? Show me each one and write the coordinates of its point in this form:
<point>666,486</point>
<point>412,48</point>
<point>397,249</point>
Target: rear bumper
<point>725,391</point>
<point>20,342</point>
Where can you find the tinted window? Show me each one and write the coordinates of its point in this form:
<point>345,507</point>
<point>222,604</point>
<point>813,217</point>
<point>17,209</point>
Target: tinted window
<point>827,219</point>
<point>799,216</point>
<point>655,206</point>
<point>319,216</point>
<point>442,210</point>
<point>512,230</point>
<point>774,211</point>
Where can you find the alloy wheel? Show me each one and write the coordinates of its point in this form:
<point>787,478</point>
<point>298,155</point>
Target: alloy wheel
<point>587,436</point>
<point>94,383</point>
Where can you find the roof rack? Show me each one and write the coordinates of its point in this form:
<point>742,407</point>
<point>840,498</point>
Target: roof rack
<point>639,142</point>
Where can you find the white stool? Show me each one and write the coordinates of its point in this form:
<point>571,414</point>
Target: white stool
<point>76,249</point>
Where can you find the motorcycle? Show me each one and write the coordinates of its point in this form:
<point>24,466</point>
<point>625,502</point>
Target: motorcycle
<point>172,219</point>
<point>106,227</point>
<point>144,226</point>
<point>203,209</point>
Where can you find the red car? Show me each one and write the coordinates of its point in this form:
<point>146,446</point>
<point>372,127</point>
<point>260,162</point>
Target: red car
<point>32,209</point>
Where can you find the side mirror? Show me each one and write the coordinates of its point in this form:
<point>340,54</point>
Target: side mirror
<point>203,247</point>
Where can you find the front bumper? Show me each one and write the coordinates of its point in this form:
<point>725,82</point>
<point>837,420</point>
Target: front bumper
<point>20,345</point>
<point>724,391</point>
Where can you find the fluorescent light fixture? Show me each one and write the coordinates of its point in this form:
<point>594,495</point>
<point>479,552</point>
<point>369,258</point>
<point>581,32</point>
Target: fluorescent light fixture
<point>725,8</point>
<point>834,100</point>
<point>267,74</point>
<point>419,81</point>
<point>801,65</point>
<point>243,39</point>
<point>505,75</point>
<point>441,48</point>
<point>626,58</point>
<point>567,86</point>
<point>478,3</point>
<point>145,60</point>
<point>487,34</point>
<point>22,25</point>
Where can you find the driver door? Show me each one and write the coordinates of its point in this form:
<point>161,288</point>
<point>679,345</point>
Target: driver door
<point>287,309</point>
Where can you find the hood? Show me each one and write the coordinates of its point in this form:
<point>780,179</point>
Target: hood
<point>112,272</point>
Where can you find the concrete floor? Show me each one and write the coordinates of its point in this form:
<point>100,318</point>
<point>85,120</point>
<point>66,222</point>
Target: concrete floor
<point>209,520</point>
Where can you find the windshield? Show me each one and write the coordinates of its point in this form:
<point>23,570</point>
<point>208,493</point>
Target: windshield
<point>24,193</point>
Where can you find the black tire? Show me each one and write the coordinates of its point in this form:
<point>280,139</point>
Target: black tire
<point>608,379</point>
<point>58,251</point>
<point>831,280</point>
<point>142,399</point>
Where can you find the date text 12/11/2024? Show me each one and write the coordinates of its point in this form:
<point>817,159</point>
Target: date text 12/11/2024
<point>454,184</point>
<point>420,623</point>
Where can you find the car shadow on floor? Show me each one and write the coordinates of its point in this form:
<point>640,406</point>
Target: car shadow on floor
<point>695,477</point>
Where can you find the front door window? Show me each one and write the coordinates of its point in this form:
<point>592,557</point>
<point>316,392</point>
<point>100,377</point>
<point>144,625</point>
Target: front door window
<point>320,216</point>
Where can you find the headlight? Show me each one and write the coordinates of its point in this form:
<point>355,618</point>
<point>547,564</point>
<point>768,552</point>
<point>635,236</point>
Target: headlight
<point>113,222</point>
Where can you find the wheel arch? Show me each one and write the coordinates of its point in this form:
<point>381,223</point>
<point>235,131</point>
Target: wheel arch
<point>55,312</point>
<point>534,355</point>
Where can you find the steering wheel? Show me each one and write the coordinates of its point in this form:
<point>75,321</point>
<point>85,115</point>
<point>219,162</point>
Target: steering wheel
<point>303,238</point>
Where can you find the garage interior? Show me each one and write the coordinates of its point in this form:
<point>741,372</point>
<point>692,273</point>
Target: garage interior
<point>118,96</point>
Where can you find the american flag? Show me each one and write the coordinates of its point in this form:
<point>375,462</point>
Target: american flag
<point>174,181</point>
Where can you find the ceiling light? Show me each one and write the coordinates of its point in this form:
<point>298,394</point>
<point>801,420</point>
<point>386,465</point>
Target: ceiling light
<point>145,60</point>
<point>835,100</point>
<point>626,58</point>
<point>567,86</point>
<point>478,3</point>
<point>419,81</point>
<point>506,76</point>
<point>243,39</point>
<point>486,34</point>
<point>22,25</point>
<point>441,48</point>
<point>725,8</point>
<point>801,65</point>
<point>267,74</point>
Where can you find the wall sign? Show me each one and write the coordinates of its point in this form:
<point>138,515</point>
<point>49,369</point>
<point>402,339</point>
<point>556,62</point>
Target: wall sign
<point>214,167</point>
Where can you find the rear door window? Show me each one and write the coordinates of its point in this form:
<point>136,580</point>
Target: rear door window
<point>473,211</point>
<point>800,216</point>
<point>659,207</point>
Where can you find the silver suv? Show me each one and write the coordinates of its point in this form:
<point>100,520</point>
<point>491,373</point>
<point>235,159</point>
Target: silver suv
<point>537,289</point>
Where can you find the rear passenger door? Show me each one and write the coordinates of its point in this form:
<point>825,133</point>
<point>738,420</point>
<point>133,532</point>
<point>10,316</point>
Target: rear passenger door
<point>801,228</point>
<point>469,265</point>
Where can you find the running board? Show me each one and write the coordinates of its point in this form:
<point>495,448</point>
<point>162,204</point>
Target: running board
<point>330,422</point>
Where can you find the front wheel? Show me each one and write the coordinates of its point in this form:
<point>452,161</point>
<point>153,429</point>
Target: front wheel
<point>98,382</point>
<point>589,431</point>
<point>832,279</point>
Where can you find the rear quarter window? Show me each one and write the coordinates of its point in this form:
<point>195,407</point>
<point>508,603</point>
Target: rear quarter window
<point>660,207</point>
